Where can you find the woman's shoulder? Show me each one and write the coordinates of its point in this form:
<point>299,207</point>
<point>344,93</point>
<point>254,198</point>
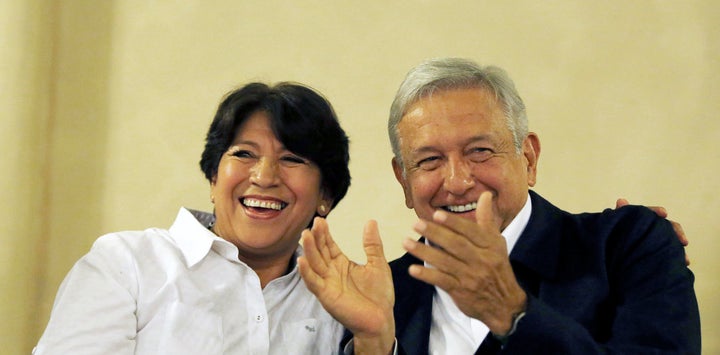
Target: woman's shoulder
<point>133,242</point>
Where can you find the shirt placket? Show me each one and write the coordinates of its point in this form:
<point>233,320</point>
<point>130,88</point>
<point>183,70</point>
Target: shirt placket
<point>257,322</point>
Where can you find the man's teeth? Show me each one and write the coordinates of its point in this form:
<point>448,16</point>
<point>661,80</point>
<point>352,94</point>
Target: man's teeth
<point>461,208</point>
<point>273,205</point>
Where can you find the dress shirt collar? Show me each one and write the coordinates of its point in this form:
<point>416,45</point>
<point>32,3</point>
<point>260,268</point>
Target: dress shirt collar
<point>190,232</point>
<point>194,239</point>
<point>513,231</point>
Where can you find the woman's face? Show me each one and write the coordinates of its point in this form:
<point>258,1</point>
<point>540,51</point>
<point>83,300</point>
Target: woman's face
<point>264,194</point>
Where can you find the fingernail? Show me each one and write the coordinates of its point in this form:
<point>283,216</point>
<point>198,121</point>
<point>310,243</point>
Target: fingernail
<point>439,216</point>
<point>414,270</point>
<point>408,244</point>
<point>420,226</point>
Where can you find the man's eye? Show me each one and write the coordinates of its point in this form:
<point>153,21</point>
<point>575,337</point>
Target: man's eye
<point>480,154</point>
<point>429,163</point>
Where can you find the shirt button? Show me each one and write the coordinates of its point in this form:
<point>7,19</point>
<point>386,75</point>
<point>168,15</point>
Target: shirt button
<point>259,318</point>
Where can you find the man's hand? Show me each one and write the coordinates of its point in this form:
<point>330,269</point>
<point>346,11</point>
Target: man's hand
<point>470,262</point>
<point>662,212</point>
<point>361,297</point>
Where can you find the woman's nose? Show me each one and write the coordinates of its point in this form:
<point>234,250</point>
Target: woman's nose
<point>265,173</point>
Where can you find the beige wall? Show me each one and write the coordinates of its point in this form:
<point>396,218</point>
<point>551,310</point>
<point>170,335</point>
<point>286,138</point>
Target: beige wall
<point>105,104</point>
<point>25,68</point>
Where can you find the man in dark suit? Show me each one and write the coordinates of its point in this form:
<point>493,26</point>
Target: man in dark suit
<point>572,283</point>
<point>500,269</point>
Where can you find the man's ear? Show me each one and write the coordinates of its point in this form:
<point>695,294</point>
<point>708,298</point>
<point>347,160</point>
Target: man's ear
<point>531,151</point>
<point>400,177</point>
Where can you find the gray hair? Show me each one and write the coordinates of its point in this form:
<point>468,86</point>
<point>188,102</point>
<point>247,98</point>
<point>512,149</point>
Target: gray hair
<point>457,73</point>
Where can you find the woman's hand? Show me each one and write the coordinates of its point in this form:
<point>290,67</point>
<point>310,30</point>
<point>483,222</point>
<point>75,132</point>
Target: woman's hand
<point>662,212</point>
<point>361,297</point>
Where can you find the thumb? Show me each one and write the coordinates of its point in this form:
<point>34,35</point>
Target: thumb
<point>372,244</point>
<point>484,214</point>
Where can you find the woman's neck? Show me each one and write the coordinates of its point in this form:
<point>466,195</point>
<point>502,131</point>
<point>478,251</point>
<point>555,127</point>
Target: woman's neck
<point>269,268</point>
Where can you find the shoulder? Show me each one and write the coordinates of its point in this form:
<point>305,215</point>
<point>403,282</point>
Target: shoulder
<point>629,223</point>
<point>617,237</point>
<point>132,244</point>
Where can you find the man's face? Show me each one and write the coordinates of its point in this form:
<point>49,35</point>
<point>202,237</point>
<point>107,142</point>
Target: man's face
<point>455,144</point>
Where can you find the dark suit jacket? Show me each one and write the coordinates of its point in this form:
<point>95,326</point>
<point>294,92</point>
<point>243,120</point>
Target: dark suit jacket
<point>614,281</point>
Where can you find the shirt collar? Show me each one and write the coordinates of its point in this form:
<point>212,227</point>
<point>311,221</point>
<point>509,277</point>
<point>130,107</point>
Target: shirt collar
<point>191,234</point>
<point>517,225</point>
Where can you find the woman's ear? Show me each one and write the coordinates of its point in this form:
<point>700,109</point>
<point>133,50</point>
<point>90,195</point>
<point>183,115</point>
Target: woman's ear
<point>325,205</point>
<point>212,188</point>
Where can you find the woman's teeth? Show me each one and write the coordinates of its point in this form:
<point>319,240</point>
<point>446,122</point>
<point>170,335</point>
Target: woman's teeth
<point>273,205</point>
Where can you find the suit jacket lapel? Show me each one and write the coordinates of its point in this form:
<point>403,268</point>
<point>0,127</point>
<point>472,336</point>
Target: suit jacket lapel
<point>413,308</point>
<point>536,252</point>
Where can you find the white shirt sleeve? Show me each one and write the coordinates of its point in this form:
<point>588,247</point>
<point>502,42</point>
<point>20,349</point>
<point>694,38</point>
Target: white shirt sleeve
<point>94,311</point>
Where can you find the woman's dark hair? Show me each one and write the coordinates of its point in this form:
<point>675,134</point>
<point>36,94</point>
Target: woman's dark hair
<point>301,118</point>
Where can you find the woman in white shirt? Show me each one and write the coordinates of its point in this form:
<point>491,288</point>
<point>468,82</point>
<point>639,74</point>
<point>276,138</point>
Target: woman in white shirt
<point>227,282</point>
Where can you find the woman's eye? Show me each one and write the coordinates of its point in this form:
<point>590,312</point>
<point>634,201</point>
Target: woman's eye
<point>293,159</point>
<point>242,154</point>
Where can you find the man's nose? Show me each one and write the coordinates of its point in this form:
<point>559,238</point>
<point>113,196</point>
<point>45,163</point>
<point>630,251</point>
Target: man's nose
<point>265,173</point>
<point>458,177</point>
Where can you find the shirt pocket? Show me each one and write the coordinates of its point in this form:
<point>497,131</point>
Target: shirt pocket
<point>190,330</point>
<point>310,336</point>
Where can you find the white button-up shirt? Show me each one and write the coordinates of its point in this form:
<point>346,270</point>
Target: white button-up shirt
<point>453,332</point>
<point>182,291</point>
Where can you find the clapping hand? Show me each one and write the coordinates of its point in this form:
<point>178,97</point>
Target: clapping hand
<point>361,297</point>
<point>470,262</point>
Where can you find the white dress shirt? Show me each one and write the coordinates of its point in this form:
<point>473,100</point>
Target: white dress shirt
<point>182,291</point>
<point>453,332</point>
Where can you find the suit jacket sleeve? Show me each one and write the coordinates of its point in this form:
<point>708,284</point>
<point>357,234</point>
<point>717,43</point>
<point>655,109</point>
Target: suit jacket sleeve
<point>620,286</point>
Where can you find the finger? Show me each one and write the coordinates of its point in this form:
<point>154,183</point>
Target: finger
<point>433,276</point>
<point>445,238</point>
<point>484,214</point>
<point>331,249</point>
<point>312,280</point>
<point>372,243</point>
<point>322,236</point>
<point>438,258</point>
<point>484,232</point>
<point>680,233</point>
<point>315,259</point>
<point>485,222</point>
<point>659,210</point>
<point>682,238</point>
<point>621,202</point>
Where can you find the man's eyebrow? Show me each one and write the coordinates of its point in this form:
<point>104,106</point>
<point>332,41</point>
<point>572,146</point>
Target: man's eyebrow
<point>473,139</point>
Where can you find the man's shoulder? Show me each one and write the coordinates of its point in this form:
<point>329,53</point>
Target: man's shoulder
<point>594,236</point>
<point>631,219</point>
